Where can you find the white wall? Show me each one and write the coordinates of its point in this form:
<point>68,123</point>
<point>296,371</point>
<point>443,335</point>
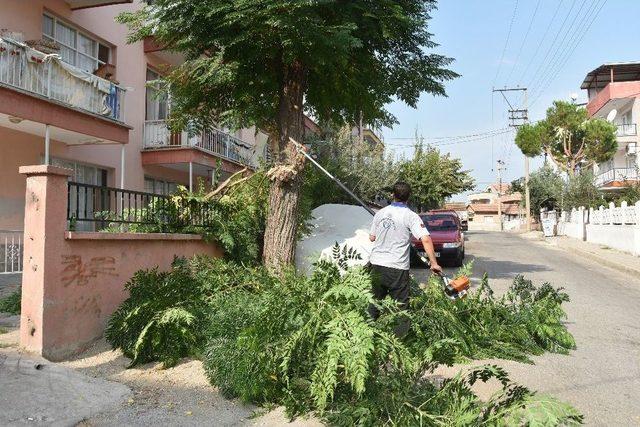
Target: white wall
<point>620,237</point>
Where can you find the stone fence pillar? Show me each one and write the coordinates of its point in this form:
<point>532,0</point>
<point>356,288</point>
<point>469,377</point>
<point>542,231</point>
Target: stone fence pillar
<point>45,219</point>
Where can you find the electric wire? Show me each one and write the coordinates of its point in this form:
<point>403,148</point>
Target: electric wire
<point>506,43</point>
<point>524,40</point>
<point>571,51</point>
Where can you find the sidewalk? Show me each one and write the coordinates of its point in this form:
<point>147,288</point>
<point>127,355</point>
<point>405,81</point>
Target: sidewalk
<point>611,258</point>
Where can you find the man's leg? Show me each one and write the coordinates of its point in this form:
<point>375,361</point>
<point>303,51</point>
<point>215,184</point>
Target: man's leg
<point>399,291</point>
<point>378,288</point>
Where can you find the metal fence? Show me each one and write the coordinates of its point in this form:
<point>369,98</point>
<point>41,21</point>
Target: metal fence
<point>47,75</point>
<point>617,174</point>
<point>11,250</point>
<point>157,135</point>
<point>95,208</point>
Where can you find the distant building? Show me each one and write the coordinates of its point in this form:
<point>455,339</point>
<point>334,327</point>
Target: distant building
<point>616,86</point>
<point>483,212</point>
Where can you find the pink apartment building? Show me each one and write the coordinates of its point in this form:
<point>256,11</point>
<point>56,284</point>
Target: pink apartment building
<point>86,106</point>
<point>613,91</point>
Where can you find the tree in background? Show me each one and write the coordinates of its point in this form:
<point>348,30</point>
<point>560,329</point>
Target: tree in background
<point>268,62</point>
<point>434,177</point>
<point>364,169</point>
<point>569,138</point>
<point>545,187</point>
<point>581,190</point>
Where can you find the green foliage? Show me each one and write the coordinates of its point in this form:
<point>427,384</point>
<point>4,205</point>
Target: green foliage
<point>11,303</point>
<point>434,177</point>
<point>165,316</point>
<point>365,170</point>
<point>239,54</point>
<point>581,190</point>
<point>236,221</point>
<point>308,343</point>
<point>530,138</point>
<point>569,137</point>
<point>546,188</point>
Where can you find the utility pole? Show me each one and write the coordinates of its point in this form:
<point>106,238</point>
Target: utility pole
<point>518,118</point>
<point>500,168</point>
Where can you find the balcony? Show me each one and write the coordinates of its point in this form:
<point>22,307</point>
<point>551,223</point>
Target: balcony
<point>616,177</point>
<point>628,129</point>
<point>157,136</point>
<point>613,95</point>
<point>47,76</point>
<point>84,4</point>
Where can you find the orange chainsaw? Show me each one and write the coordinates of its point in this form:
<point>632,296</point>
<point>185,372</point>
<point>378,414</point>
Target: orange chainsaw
<point>456,288</point>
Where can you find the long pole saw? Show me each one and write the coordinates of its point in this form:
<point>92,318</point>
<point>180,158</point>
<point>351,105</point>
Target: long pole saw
<point>302,150</point>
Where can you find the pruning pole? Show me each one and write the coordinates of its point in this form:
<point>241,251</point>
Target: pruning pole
<point>302,150</point>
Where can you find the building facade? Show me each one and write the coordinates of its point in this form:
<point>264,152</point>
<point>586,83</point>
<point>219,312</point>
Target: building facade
<point>613,92</point>
<point>73,93</point>
<point>484,213</point>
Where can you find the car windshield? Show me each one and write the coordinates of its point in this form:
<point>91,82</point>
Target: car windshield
<point>439,222</point>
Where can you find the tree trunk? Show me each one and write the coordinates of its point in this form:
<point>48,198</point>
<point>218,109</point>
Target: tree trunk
<point>286,175</point>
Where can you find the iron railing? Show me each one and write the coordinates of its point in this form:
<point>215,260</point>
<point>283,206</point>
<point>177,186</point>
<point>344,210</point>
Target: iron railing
<point>627,129</point>
<point>11,250</point>
<point>27,69</point>
<point>617,174</point>
<point>94,208</point>
<point>157,135</point>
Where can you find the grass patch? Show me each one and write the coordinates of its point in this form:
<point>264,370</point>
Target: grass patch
<point>11,303</point>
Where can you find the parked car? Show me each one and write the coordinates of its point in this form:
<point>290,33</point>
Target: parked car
<point>462,216</point>
<point>445,229</point>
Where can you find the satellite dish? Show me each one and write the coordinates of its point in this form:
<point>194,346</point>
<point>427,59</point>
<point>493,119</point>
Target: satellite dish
<point>612,115</point>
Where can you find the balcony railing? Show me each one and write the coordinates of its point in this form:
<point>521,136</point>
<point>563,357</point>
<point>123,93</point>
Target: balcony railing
<point>214,141</point>
<point>628,129</point>
<point>617,175</point>
<point>48,76</point>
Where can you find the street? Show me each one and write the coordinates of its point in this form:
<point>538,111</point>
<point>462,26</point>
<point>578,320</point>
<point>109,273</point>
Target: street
<point>602,377</point>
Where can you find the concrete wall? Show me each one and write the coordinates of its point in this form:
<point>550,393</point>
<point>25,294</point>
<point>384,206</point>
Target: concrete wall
<point>617,227</point>
<point>619,237</point>
<point>73,282</point>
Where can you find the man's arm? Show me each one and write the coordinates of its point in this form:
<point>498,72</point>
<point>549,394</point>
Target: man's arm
<point>427,244</point>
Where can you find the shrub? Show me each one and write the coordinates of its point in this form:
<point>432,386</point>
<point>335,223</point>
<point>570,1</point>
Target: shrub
<point>308,343</point>
<point>166,314</point>
<point>11,303</point>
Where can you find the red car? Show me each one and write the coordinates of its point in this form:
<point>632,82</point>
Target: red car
<point>446,232</point>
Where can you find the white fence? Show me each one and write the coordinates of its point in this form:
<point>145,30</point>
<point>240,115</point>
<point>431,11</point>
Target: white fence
<point>614,226</point>
<point>11,248</point>
<point>46,75</point>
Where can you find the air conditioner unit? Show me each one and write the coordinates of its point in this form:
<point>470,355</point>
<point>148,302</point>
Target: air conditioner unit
<point>632,149</point>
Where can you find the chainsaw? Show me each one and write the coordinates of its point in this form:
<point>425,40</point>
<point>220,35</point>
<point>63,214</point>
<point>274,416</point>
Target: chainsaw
<point>456,288</point>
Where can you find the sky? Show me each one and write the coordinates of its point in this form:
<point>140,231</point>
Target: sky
<point>565,39</point>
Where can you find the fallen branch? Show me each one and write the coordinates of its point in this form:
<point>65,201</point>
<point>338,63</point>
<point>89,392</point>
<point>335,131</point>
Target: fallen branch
<point>226,183</point>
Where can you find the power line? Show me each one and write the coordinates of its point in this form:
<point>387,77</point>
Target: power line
<point>571,51</point>
<point>506,43</point>
<point>561,48</point>
<point>555,38</point>
<point>544,36</point>
<point>524,40</point>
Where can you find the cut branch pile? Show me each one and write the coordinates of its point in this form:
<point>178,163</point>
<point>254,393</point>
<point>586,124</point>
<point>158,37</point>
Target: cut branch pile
<point>309,344</point>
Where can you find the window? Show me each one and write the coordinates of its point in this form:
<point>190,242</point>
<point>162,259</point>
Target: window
<point>76,48</point>
<point>156,103</point>
<point>83,173</point>
<point>158,186</point>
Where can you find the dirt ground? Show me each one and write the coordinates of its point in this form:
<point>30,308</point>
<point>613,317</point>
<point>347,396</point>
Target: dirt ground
<point>176,396</point>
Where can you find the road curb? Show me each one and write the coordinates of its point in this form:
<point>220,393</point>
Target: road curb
<point>595,257</point>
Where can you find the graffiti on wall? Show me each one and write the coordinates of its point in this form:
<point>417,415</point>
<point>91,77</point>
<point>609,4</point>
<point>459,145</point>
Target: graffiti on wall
<point>78,272</point>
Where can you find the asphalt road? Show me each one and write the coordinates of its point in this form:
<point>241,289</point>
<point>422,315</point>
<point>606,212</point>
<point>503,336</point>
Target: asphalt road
<point>602,377</point>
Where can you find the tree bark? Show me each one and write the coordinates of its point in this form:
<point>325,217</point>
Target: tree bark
<point>286,174</point>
